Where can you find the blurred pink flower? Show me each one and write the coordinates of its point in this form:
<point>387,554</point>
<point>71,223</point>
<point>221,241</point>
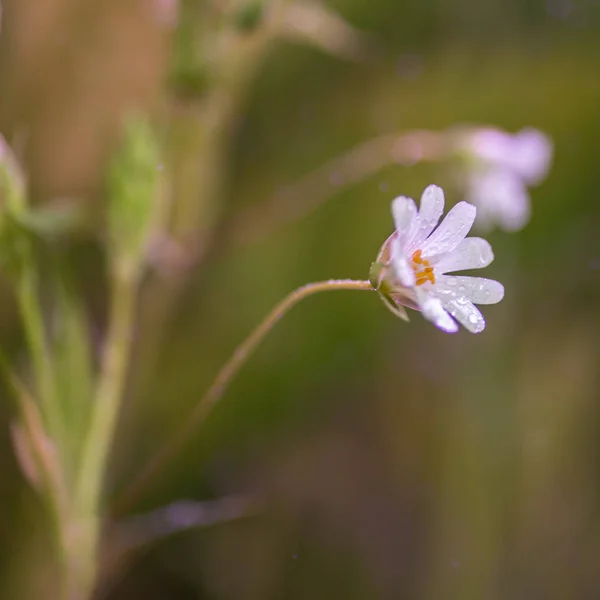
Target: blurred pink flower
<point>501,167</point>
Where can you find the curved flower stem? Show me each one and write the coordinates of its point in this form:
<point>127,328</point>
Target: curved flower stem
<point>224,377</point>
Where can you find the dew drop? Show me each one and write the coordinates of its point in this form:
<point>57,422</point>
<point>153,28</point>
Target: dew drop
<point>462,288</point>
<point>473,318</point>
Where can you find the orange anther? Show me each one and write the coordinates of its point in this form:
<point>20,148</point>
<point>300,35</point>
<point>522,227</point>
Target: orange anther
<point>426,273</point>
<point>416,257</point>
<point>425,276</point>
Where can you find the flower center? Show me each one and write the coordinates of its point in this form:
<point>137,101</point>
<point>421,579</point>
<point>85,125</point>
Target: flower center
<point>423,270</point>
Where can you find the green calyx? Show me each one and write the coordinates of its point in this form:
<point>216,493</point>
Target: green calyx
<point>379,281</point>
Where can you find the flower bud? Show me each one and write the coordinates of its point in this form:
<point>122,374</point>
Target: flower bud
<point>133,193</point>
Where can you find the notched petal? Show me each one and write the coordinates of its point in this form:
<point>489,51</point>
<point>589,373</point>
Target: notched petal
<point>433,311</point>
<point>452,231</point>
<point>430,211</point>
<point>466,313</point>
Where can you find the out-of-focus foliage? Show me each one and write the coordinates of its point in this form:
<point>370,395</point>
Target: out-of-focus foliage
<point>380,459</point>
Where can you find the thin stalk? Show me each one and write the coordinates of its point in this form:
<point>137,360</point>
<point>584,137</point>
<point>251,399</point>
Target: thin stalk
<point>223,379</point>
<point>98,442</point>
<point>37,341</point>
<point>305,195</point>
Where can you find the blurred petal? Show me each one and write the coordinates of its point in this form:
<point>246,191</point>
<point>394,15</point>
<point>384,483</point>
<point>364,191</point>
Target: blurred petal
<point>430,211</point>
<point>452,231</point>
<point>476,289</point>
<point>490,145</point>
<point>471,253</point>
<point>527,154</point>
<point>532,155</point>
<point>501,198</point>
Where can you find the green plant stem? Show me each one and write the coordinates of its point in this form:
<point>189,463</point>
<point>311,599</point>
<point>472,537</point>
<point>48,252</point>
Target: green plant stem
<point>96,450</point>
<point>224,377</point>
<point>48,476</point>
<point>35,333</point>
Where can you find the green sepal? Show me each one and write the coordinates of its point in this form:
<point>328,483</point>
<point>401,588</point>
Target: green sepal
<point>397,309</point>
<point>379,282</point>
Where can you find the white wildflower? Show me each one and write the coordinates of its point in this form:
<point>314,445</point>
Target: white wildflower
<point>502,167</point>
<point>415,262</point>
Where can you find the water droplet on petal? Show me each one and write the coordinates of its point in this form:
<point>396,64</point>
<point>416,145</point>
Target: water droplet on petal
<point>462,288</point>
<point>473,318</point>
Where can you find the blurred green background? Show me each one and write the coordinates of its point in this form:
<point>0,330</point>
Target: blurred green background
<point>389,460</point>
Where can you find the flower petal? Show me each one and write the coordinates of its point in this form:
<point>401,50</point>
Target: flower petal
<point>532,161</point>
<point>400,264</point>
<point>404,211</point>
<point>433,311</point>
<point>465,312</point>
<point>501,197</point>
<point>430,211</point>
<point>471,253</point>
<point>452,231</point>
<point>476,289</point>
